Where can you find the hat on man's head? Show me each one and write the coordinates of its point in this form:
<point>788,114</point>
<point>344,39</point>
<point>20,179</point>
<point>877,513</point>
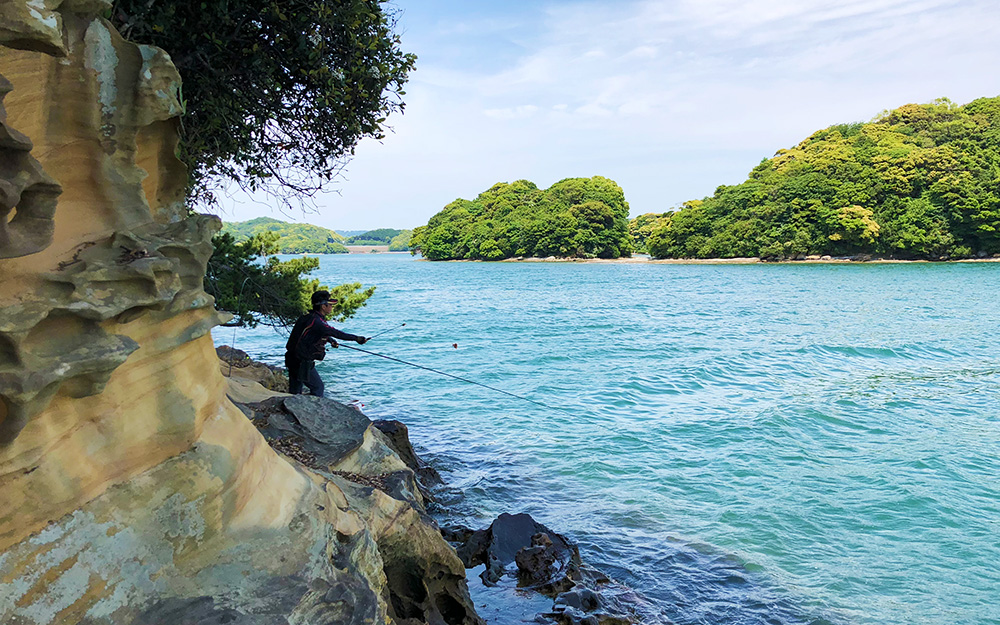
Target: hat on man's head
<point>322,297</point>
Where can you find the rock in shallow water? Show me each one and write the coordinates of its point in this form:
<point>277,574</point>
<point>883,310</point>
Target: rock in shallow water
<point>516,547</point>
<point>498,546</point>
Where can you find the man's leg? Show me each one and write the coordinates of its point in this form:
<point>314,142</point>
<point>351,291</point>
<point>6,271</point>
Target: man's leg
<point>314,382</point>
<point>294,383</point>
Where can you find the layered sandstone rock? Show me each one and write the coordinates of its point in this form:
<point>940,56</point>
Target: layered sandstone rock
<point>131,489</point>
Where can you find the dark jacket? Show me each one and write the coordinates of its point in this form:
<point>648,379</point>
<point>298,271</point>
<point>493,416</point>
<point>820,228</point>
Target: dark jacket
<point>308,336</point>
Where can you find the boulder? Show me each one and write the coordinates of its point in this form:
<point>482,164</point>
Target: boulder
<point>552,561</point>
<point>516,547</point>
<point>398,439</point>
<point>540,566</point>
<point>237,364</point>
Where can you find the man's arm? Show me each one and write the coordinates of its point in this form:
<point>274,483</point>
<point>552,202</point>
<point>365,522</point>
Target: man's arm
<point>329,331</point>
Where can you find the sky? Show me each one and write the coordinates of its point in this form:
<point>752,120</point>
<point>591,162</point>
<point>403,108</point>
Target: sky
<point>669,98</point>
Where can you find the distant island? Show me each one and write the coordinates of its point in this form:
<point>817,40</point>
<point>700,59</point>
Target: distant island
<point>920,182</point>
<point>301,238</point>
<point>397,240</point>
<point>574,218</point>
<point>917,182</point>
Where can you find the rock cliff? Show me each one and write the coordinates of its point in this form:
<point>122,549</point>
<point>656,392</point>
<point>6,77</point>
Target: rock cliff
<point>132,490</point>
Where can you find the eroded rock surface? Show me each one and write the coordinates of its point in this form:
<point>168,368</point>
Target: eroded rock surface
<point>236,363</point>
<point>425,579</point>
<point>132,490</point>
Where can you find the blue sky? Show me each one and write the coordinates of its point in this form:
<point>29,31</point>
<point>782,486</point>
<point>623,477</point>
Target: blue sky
<point>668,98</point>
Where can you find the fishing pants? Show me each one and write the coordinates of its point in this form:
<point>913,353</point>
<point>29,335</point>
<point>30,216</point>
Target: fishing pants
<point>303,372</point>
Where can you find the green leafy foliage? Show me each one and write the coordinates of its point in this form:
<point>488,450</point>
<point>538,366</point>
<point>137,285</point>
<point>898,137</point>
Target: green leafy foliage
<point>918,182</point>
<point>292,238</point>
<point>382,236</point>
<point>401,242</point>
<point>277,92</point>
<point>641,227</point>
<point>575,217</point>
<point>248,281</point>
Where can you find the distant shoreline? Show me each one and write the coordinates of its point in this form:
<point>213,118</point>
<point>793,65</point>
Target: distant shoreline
<point>642,259</point>
<point>366,249</point>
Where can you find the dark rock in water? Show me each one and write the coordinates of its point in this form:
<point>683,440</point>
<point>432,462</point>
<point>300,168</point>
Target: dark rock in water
<point>515,546</point>
<point>535,563</point>
<point>544,567</point>
<point>583,599</point>
<point>399,440</point>
<point>457,535</point>
<point>584,606</point>
<point>552,561</point>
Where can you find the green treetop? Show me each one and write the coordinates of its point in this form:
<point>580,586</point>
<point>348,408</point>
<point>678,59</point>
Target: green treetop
<point>575,217</point>
<point>277,92</point>
<point>381,236</point>
<point>249,282</point>
<point>918,182</point>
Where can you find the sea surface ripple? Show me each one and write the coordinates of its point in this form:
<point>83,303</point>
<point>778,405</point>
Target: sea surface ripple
<point>739,443</point>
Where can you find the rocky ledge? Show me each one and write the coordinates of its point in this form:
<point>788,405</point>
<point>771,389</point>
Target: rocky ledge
<point>424,578</point>
<point>338,441</point>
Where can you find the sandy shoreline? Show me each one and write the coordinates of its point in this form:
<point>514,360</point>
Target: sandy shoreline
<point>368,249</point>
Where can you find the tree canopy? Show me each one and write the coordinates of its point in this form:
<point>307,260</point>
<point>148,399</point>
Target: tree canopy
<point>374,237</point>
<point>575,217</point>
<point>918,182</point>
<point>277,92</point>
<point>401,242</point>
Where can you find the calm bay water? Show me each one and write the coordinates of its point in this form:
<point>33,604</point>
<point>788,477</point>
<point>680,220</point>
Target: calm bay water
<point>739,443</point>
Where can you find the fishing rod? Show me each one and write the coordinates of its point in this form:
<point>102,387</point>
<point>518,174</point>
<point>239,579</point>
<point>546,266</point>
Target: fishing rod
<point>384,331</point>
<point>492,388</point>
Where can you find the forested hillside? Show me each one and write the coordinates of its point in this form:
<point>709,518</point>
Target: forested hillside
<point>401,242</point>
<point>294,238</point>
<point>575,217</point>
<point>918,182</point>
<point>381,236</point>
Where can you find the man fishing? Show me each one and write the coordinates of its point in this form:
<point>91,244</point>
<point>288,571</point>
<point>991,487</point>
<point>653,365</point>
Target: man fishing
<point>307,344</point>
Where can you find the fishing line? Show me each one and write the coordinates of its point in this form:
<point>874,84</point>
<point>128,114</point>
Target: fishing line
<point>384,331</point>
<point>492,388</point>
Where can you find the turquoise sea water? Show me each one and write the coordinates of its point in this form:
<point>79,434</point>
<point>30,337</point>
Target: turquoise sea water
<point>739,443</point>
